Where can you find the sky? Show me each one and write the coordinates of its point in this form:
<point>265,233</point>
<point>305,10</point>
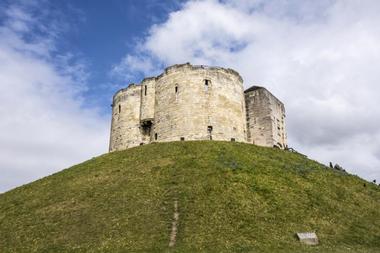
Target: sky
<point>61,62</point>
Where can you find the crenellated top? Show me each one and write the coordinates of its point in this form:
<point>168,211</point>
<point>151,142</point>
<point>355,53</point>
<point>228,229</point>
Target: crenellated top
<point>148,79</point>
<point>129,87</point>
<point>179,67</point>
<point>258,88</point>
<point>187,65</point>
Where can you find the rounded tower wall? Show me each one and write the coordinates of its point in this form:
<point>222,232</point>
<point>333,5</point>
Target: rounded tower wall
<point>147,99</point>
<point>125,126</point>
<point>199,103</point>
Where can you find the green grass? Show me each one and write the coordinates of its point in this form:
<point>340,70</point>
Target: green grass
<point>232,197</point>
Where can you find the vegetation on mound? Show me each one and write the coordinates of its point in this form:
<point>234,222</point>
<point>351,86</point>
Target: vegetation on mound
<point>232,197</point>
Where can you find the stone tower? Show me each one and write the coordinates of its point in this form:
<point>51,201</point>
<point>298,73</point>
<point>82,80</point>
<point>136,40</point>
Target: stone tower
<point>265,118</point>
<point>189,102</point>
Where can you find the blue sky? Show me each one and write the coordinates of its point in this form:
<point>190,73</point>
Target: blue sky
<point>103,32</point>
<point>61,62</point>
<point>98,34</point>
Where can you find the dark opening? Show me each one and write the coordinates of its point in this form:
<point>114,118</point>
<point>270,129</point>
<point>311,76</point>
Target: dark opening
<point>176,89</point>
<point>209,130</point>
<point>207,83</point>
<point>145,89</point>
<point>146,127</point>
<point>119,108</point>
<point>182,138</point>
<point>141,144</point>
<point>232,139</point>
<point>155,136</point>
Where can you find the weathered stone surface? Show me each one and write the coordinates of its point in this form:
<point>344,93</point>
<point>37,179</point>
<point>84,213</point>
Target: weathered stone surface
<point>189,102</point>
<point>265,118</point>
<point>190,99</point>
<point>125,126</point>
<point>309,238</point>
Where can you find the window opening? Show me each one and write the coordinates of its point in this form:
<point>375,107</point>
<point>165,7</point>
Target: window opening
<point>145,89</point>
<point>182,138</point>
<point>232,139</point>
<point>119,108</point>
<point>155,136</point>
<point>146,127</point>
<point>209,131</point>
<point>207,84</point>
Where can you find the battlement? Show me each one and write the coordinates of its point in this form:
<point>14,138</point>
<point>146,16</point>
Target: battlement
<point>123,90</point>
<point>192,102</point>
<point>179,67</point>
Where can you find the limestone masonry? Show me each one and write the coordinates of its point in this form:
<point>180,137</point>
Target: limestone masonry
<point>189,102</point>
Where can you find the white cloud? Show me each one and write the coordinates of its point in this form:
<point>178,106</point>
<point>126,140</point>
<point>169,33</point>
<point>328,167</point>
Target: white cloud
<point>320,57</point>
<point>132,65</point>
<point>44,125</point>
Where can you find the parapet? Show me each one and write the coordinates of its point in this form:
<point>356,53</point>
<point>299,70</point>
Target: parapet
<point>179,67</point>
<point>256,87</point>
<point>129,87</point>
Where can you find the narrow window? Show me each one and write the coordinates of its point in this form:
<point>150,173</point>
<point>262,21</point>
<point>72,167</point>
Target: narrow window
<point>232,139</point>
<point>145,89</point>
<point>119,108</point>
<point>207,84</point>
<point>182,138</point>
<point>176,89</point>
<point>155,136</point>
<point>209,130</point>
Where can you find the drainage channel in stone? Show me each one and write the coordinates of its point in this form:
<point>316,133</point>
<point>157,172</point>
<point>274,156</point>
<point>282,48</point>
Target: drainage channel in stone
<point>173,233</point>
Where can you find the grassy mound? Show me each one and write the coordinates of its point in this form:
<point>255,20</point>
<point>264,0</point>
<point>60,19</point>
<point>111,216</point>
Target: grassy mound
<point>232,197</point>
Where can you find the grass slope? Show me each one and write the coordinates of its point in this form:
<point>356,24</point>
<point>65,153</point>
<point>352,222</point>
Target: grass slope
<point>232,197</point>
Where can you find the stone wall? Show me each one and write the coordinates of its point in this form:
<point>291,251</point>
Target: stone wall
<point>148,93</point>
<point>125,126</point>
<point>189,102</point>
<point>265,118</point>
<point>199,103</point>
